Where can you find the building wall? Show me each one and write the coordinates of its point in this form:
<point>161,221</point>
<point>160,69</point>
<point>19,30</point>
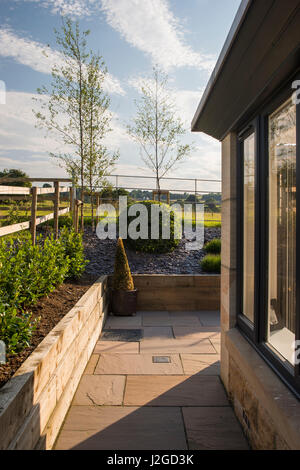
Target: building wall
<point>268,412</point>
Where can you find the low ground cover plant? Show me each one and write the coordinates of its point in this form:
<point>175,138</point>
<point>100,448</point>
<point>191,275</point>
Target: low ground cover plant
<point>211,264</point>
<point>29,272</point>
<point>213,247</point>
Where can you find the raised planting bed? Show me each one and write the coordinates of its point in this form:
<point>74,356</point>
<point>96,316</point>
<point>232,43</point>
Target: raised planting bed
<point>177,292</point>
<point>34,402</point>
<point>49,310</point>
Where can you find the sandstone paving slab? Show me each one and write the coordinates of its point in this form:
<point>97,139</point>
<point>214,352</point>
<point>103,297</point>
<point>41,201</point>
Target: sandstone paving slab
<point>183,319</point>
<point>100,390</point>
<point>217,347</point>
<point>164,346</point>
<point>209,318</point>
<point>156,333</point>
<point>89,370</point>
<point>123,322</point>
<point>119,347</point>
<point>213,428</point>
<point>157,390</point>
<point>156,319</point>
<point>122,428</point>
<point>134,364</point>
<point>184,332</point>
<point>203,364</point>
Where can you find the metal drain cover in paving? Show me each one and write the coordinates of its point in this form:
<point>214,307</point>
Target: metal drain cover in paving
<point>121,335</point>
<point>161,359</point>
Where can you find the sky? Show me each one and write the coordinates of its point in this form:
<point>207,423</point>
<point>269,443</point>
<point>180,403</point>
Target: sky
<point>182,37</point>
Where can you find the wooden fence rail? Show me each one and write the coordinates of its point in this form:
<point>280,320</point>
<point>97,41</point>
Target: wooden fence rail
<point>10,229</point>
<point>53,193</point>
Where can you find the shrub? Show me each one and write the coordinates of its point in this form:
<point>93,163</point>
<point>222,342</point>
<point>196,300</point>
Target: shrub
<point>213,247</point>
<point>74,251</point>
<point>159,245</point>
<point>29,272</point>
<point>211,264</point>
<point>15,329</point>
<point>63,221</point>
<point>122,278</point>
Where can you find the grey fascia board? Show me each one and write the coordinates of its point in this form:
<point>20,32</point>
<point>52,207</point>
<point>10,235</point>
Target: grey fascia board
<point>236,25</point>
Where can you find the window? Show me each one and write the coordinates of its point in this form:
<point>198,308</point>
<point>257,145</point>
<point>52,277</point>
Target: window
<point>268,304</point>
<point>248,226</point>
<point>282,230</point>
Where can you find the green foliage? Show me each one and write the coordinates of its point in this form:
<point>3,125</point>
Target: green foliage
<point>15,329</point>
<point>29,272</point>
<point>122,278</point>
<point>63,221</point>
<point>211,264</point>
<point>159,245</point>
<point>14,213</point>
<point>213,247</point>
<point>15,173</point>
<point>74,251</point>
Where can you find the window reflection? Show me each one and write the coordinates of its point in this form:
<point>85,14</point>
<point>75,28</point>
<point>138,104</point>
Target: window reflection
<point>249,227</point>
<point>282,230</point>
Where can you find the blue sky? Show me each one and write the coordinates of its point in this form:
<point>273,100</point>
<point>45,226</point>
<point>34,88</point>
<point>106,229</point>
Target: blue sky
<point>184,37</point>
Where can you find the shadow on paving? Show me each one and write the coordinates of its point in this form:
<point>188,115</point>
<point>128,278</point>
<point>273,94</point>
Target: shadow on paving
<point>194,414</point>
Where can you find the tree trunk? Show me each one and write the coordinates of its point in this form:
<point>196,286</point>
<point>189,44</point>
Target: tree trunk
<point>93,221</point>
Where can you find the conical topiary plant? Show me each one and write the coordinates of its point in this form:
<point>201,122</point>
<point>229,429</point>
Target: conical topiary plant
<point>122,278</point>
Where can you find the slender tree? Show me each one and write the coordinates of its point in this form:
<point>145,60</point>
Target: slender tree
<point>74,107</point>
<point>156,127</point>
<point>99,161</point>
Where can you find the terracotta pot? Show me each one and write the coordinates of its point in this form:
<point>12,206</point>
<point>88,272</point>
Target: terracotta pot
<point>124,303</point>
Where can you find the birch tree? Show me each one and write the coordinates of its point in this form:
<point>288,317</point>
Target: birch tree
<point>99,162</point>
<point>75,108</point>
<point>156,127</point>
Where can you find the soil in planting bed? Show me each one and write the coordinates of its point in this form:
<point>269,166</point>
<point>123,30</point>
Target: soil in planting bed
<point>51,310</point>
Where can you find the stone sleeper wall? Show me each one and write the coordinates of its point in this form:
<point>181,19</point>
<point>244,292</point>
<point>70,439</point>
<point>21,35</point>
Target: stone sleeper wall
<point>34,402</point>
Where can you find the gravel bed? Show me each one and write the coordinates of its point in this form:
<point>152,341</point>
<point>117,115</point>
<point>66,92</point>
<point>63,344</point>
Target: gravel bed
<point>101,254</point>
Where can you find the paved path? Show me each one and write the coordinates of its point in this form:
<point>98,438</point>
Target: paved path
<point>128,399</point>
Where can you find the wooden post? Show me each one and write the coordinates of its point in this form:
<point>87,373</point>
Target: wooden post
<point>76,218</point>
<point>56,208</point>
<point>71,200</point>
<point>33,214</point>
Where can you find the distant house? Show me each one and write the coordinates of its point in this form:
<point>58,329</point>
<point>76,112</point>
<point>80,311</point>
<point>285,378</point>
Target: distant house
<point>251,104</point>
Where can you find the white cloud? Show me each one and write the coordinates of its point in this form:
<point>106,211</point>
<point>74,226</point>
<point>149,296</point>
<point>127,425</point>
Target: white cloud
<point>151,27</point>
<point>79,8</point>
<point>40,57</point>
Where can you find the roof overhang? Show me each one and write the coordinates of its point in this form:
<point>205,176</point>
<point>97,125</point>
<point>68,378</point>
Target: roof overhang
<point>261,51</point>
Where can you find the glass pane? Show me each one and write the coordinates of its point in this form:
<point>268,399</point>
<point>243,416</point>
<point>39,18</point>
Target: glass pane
<point>249,226</point>
<point>282,230</point>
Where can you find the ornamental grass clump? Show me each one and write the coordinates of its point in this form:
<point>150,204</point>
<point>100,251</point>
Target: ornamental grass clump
<point>122,278</point>
<point>213,247</point>
<point>211,264</point>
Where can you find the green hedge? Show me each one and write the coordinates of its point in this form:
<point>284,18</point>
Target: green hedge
<point>29,272</point>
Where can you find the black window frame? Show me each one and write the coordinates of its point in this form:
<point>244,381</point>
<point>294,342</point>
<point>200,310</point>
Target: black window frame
<point>256,334</point>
